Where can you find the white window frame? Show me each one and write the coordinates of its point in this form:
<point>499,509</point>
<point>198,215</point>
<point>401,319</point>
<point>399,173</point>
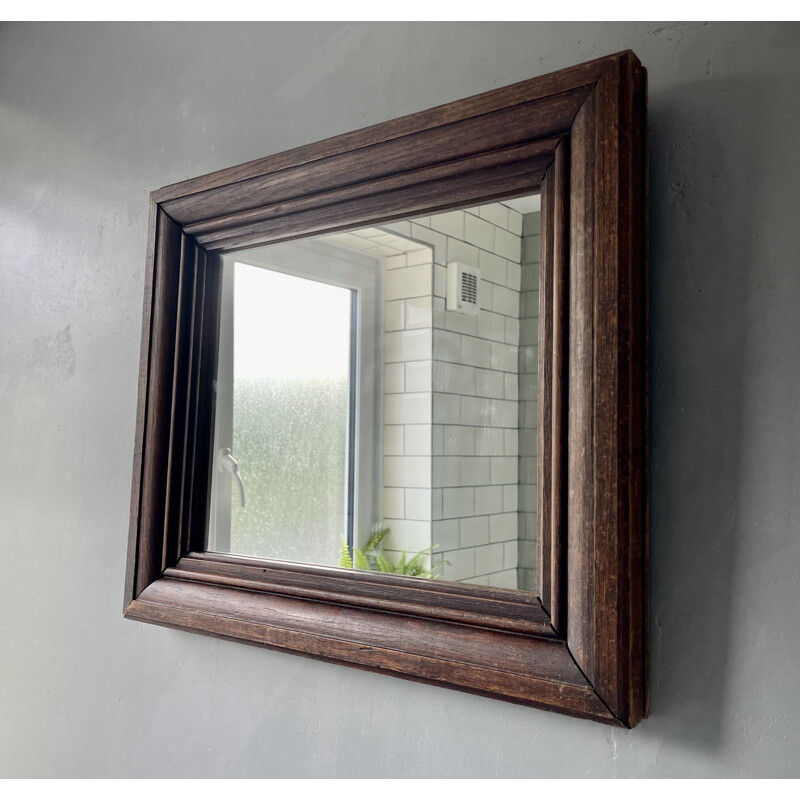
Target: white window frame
<point>326,262</point>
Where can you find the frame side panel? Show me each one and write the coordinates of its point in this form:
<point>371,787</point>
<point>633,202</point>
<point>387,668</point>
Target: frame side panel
<point>156,423</point>
<point>580,468</point>
<point>544,449</point>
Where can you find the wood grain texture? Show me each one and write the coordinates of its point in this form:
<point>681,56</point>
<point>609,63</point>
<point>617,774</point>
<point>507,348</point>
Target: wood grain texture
<point>538,672</point>
<point>580,421</point>
<point>559,388</point>
<point>455,143</point>
<point>141,405</point>
<point>496,608</point>
<point>581,648</point>
<point>155,432</point>
<point>544,450</point>
<point>470,188</point>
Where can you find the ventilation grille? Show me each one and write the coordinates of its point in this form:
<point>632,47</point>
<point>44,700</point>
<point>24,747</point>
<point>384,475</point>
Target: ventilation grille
<point>463,288</point>
<point>469,288</point>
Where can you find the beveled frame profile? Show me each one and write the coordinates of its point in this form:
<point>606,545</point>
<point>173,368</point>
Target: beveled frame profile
<point>580,646</point>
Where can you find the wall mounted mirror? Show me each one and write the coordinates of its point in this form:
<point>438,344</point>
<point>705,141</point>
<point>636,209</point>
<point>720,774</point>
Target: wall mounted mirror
<point>395,428</point>
<point>392,400</point>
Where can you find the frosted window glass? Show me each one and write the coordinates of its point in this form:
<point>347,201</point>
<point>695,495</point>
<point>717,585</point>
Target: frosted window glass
<point>291,356</point>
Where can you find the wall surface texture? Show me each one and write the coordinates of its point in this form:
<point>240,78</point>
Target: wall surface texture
<point>93,117</point>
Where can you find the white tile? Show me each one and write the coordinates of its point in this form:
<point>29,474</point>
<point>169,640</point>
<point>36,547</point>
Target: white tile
<point>515,222</point>
<point>463,252</point>
<point>393,503</point>
<point>437,438</point>
<point>447,408</point>
<point>458,502</point>
<point>418,376</point>
<point>474,531</point>
<point>446,471</point>
<point>475,352</point>
<point>489,383</point>
<point>436,504</point>
<point>504,580</point>
<point>504,357</point>
<point>474,412</point>
<point>510,495</point>
<point>438,241</point>
<point>459,440</point>
<point>422,256</point>
<point>491,326</point>
<point>418,504</point>
<point>400,228</point>
<point>407,345</point>
<point>503,527</point>
<point>507,245</point>
<point>458,565</point>
<point>532,253</point>
<point>409,535</point>
<point>419,312</point>
<point>475,471</point>
<point>505,302</point>
<point>529,359</point>
<point>408,282</point>
<point>394,378</point>
<point>510,555</point>
<point>450,223</point>
<point>489,442</point>
<point>446,346</point>
<point>461,323</point>
<point>445,535</point>
<point>393,440</point>
<point>494,268</point>
<point>395,262</point>
<point>496,213</point>
<point>514,276</point>
<point>394,315</point>
<point>453,378</point>
<point>510,386</point>
<point>489,499</point>
<point>511,441</point>
<point>478,232</point>
<point>417,440</point>
<point>408,471</point>
<point>531,223</point>
<point>489,558</point>
<point>439,281</point>
<point>504,413</point>
<point>504,470</point>
<point>512,329</point>
<point>480,580</point>
<point>405,409</point>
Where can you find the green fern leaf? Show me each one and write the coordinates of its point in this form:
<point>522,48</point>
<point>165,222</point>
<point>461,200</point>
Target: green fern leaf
<point>383,563</point>
<point>344,555</point>
<point>361,561</point>
<point>375,540</point>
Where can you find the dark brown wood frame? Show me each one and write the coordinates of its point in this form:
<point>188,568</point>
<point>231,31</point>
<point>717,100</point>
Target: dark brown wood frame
<point>580,647</point>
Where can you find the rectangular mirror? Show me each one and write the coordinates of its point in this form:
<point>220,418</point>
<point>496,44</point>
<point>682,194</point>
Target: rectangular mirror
<point>392,413</point>
<point>394,427</point>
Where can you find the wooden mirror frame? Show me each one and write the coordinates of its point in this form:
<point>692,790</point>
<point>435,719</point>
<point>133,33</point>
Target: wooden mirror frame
<point>580,647</point>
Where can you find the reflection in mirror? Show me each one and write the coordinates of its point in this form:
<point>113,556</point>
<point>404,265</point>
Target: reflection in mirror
<point>375,402</point>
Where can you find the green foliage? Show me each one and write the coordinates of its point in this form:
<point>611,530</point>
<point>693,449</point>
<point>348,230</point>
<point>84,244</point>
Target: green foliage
<point>370,557</point>
<point>345,559</point>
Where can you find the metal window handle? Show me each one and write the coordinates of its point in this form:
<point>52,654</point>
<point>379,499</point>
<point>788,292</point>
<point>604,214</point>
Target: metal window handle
<point>229,464</point>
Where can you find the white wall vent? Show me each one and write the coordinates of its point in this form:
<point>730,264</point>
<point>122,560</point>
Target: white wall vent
<point>463,288</point>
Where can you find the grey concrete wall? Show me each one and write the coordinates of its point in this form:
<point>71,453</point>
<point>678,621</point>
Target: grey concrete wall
<point>92,117</point>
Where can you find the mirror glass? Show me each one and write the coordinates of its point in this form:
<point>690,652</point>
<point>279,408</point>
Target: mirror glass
<point>376,398</point>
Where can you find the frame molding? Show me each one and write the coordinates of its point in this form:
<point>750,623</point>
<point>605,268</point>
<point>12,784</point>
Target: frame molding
<point>580,646</point>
